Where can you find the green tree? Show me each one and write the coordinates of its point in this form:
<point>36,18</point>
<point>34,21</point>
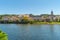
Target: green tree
<point>3,36</point>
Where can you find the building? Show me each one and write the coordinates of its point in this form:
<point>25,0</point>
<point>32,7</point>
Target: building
<point>42,17</point>
<point>46,17</point>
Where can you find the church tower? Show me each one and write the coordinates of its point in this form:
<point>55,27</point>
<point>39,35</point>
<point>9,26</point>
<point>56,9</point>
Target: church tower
<point>52,15</point>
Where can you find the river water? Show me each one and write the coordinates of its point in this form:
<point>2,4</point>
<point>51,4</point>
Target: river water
<point>31,32</point>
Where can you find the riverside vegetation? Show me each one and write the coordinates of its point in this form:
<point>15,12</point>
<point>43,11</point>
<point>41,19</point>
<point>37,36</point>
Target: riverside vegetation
<point>3,36</point>
<point>7,19</point>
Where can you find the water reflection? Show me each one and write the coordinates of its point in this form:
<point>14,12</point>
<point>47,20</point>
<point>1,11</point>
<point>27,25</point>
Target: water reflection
<point>31,32</point>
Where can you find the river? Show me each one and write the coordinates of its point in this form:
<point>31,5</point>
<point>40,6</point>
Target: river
<point>31,32</point>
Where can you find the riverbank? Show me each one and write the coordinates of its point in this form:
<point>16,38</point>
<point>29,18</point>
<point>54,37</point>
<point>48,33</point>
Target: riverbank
<point>47,23</point>
<point>29,22</point>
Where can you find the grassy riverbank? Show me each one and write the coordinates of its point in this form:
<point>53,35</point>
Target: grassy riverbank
<point>27,22</point>
<point>46,23</point>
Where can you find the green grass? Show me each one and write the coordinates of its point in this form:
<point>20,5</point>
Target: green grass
<point>46,23</point>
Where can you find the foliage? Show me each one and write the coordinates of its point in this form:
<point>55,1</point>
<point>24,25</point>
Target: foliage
<point>3,36</point>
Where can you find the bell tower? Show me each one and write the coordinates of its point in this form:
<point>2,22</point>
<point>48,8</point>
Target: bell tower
<point>52,15</point>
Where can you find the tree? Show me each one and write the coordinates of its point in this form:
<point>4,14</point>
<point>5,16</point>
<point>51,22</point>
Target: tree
<point>26,19</point>
<point>3,36</point>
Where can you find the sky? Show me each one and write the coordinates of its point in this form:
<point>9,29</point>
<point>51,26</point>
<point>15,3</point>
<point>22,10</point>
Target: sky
<point>36,7</point>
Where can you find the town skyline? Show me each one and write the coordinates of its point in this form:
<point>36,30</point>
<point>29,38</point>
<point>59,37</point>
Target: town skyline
<point>33,14</point>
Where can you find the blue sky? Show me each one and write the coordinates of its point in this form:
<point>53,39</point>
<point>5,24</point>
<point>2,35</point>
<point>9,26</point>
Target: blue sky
<point>29,6</point>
